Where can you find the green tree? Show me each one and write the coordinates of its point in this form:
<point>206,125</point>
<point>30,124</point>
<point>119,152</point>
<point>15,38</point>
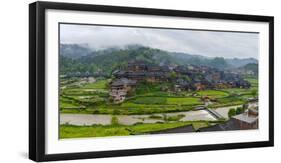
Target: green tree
<point>231,112</point>
<point>240,110</point>
<point>187,78</point>
<point>173,74</point>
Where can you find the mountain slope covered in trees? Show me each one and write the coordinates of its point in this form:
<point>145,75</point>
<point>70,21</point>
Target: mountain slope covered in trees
<point>77,58</point>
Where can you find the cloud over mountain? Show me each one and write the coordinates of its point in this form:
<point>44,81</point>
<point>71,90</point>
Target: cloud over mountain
<point>208,43</point>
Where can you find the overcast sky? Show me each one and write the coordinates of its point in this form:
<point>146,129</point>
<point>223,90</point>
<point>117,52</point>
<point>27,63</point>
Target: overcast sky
<point>207,43</point>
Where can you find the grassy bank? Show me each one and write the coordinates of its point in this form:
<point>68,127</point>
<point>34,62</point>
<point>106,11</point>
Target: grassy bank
<point>72,131</point>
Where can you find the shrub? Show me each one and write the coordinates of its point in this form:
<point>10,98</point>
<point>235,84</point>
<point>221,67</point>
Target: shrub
<point>114,121</point>
<point>240,110</point>
<point>231,112</point>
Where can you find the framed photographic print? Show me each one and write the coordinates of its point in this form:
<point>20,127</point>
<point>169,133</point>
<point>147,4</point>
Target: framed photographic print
<point>118,81</point>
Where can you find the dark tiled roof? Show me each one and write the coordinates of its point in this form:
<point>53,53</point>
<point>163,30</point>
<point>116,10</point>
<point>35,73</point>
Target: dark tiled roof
<point>246,118</point>
<point>231,125</point>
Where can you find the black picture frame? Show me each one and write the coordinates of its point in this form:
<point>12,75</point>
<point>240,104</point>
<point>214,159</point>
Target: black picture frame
<point>37,80</point>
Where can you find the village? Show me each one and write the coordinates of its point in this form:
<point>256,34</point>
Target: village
<point>184,78</point>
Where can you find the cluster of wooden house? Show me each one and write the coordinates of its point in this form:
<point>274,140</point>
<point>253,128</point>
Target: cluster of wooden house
<point>139,71</point>
<point>184,78</point>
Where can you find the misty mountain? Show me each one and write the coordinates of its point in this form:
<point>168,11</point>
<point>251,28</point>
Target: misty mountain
<point>82,59</point>
<point>236,62</point>
<point>74,51</point>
